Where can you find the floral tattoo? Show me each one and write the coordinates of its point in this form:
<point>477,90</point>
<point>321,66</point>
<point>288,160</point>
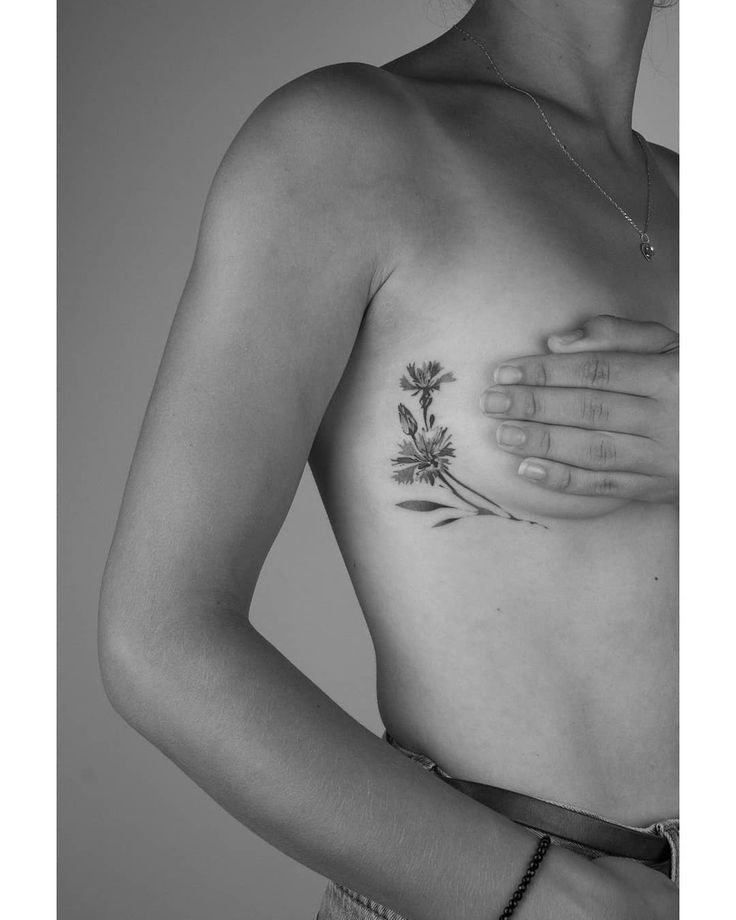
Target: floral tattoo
<point>427,451</point>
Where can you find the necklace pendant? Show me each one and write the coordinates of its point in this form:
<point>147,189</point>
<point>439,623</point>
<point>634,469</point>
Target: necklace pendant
<point>647,250</point>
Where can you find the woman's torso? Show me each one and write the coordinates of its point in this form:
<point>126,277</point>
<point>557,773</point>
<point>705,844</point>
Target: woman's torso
<point>543,660</point>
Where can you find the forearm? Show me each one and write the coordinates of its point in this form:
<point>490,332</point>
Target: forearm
<point>286,761</point>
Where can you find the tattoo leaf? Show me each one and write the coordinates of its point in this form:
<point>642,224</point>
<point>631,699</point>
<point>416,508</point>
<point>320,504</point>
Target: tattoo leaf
<point>446,521</point>
<point>417,505</point>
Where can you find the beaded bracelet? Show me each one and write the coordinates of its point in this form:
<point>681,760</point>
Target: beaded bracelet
<point>527,878</point>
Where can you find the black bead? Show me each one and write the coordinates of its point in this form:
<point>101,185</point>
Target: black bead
<point>534,863</point>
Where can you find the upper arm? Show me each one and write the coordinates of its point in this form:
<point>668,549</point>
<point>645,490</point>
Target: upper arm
<point>287,259</point>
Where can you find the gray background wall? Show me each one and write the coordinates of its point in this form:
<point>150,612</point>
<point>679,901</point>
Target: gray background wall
<point>151,93</point>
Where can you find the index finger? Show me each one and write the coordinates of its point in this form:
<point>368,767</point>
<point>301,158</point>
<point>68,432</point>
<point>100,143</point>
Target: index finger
<point>614,333</point>
<point>617,372</point>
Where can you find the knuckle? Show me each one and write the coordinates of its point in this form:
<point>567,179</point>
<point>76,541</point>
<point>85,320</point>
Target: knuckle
<point>601,453</point>
<point>594,411</point>
<point>539,375</point>
<point>595,371</point>
<point>545,443</point>
<point>563,480</point>
<point>605,485</point>
<point>531,404</point>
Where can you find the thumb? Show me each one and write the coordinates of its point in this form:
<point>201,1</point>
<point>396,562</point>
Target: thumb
<point>612,333</point>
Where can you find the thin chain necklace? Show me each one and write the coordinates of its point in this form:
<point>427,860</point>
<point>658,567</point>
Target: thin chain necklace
<point>645,244</point>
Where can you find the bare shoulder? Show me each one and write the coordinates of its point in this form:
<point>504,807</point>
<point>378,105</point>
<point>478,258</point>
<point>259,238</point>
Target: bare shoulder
<point>349,91</point>
<point>331,144</point>
<point>339,120</point>
<point>669,164</point>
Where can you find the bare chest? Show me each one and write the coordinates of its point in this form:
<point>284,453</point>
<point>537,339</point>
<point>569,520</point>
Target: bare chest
<point>483,283</point>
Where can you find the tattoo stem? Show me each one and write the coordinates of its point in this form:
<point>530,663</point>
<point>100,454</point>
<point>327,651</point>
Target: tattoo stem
<point>424,413</point>
<point>476,492</point>
<point>478,509</point>
<point>510,516</point>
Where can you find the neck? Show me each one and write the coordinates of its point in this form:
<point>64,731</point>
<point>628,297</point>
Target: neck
<point>583,55</point>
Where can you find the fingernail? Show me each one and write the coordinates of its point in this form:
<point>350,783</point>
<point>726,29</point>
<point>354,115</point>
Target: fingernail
<point>568,337</point>
<point>510,435</point>
<point>531,470</point>
<point>507,373</point>
<point>495,402</point>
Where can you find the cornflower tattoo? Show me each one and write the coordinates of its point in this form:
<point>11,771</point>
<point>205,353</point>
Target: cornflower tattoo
<point>427,451</point>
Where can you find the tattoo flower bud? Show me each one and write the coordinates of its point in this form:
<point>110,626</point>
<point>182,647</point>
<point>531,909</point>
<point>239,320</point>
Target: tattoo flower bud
<point>408,422</point>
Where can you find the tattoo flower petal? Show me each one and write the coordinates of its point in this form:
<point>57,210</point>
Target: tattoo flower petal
<point>425,457</point>
<point>427,377</point>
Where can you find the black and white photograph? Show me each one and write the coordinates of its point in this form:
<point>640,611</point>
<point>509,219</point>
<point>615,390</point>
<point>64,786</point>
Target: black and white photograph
<point>369,342</point>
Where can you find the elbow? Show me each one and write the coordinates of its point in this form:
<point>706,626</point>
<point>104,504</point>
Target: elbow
<point>152,645</point>
<point>158,646</point>
<point>121,661</point>
<point>124,653</point>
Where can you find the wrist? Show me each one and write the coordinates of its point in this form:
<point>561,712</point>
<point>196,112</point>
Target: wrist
<point>577,889</point>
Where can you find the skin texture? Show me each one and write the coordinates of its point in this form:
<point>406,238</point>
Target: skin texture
<point>364,219</point>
